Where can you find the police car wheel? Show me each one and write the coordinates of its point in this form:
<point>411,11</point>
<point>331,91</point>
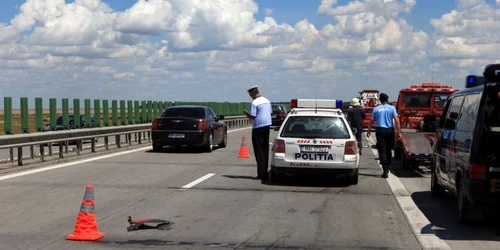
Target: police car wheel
<point>273,175</point>
<point>354,179</point>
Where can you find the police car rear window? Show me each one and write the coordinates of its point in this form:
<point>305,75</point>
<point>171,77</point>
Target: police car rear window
<point>315,127</point>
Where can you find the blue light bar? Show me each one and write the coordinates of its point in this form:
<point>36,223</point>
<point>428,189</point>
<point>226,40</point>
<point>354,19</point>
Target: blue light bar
<point>473,81</point>
<point>339,104</point>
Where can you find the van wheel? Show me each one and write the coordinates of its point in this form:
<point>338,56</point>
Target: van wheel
<point>404,163</point>
<point>436,189</point>
<point>464,207</point>
<point>397,153</point>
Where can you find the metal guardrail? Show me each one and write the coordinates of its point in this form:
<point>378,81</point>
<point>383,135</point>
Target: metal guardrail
<point>62,138</point>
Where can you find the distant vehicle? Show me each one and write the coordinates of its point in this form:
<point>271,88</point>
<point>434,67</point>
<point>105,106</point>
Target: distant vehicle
<point>369,99</point>
<point>191,126</point>
<point>419,108</point>
<point>279,114</point>
<point>466,159</point>
<point>71,123</point>
<point>315,137</point>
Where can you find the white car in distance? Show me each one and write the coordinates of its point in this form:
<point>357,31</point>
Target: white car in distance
<point>315,138</point>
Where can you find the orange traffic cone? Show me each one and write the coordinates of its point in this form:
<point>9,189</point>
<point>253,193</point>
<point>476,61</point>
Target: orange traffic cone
<point>86,224</point>
<point>243,148</point>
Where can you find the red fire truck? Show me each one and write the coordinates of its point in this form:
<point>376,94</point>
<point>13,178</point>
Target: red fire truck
<point>419,108</point>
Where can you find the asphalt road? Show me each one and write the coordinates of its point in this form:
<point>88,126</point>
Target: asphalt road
<point>227,209</point>
<point>441,212</point>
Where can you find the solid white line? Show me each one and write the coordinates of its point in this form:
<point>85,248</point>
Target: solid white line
<point>414,216</point>
<point>63,165</point>
<point>197,181</point>
<point>71,163</point>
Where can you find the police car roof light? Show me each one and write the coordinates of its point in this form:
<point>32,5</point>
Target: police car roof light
<point>316,103</point>
<point>473,81</point>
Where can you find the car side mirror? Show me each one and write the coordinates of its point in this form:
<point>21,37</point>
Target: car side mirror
<point>221,117</point>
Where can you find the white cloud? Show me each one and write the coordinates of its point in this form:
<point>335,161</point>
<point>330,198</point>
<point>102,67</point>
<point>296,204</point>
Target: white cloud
<point>214,49</point>
<point>268,11</point>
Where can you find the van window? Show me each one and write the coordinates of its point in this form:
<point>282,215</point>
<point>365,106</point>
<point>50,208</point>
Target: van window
<point>469,112</point>
<point>456,104</point>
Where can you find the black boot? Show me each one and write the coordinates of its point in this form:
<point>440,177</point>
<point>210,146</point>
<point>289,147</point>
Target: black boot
<point>385,168</point>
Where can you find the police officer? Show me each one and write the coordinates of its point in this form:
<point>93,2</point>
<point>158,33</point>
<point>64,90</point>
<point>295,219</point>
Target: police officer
<point>260,115</point>
<point>386,118</point>
<point>355,117</point>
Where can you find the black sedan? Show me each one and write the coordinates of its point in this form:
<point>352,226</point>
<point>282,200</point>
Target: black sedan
<point>189,125</point>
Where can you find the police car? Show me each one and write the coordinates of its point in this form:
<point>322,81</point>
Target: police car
<point>315,137</point>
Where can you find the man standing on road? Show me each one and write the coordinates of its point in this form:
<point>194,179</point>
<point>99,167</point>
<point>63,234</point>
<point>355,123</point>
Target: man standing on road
<point>355,117</point>
<point>386,117</point>
<point>260,115</point>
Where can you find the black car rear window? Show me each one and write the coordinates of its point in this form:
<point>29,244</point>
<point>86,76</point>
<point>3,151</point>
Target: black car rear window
<point>315,127</point>
<point>193,112</point>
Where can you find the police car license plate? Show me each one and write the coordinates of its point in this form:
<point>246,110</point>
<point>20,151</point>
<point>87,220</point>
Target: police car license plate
<point>176,136</point>
<point>314,149</point>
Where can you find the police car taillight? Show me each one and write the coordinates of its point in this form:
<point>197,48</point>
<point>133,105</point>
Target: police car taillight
<point>154,126</point>
<point>350,148</point>
<point>477,171</point>
<point>279,146</point>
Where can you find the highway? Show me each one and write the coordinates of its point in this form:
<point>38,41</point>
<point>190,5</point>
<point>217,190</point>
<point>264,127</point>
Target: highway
<point>215,203</point>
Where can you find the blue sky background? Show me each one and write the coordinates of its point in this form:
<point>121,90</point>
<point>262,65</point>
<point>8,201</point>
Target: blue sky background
<point>137,64</point>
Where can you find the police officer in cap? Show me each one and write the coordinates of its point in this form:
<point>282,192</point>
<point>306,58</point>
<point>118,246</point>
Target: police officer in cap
<point>260,115</point>
<point>388,130</point>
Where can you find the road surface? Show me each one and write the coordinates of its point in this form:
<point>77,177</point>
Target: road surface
<point>213,201</point>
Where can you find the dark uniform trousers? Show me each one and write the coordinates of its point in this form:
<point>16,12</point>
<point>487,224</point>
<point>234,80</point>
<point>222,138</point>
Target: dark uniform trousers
<point>260,143</point>
<point>358,137</point>
<point>385,143</point>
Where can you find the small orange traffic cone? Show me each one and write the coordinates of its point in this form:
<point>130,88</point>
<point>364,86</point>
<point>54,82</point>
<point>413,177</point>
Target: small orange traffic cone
<point>244,147</point>
<point>86,225</point>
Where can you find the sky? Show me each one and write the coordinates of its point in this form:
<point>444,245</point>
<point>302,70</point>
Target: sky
<point>213,50</point>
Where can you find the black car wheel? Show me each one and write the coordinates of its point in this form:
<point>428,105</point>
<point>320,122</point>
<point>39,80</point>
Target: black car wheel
<point>210,144</point>
<point>157,148</point>
<point>223,144</point>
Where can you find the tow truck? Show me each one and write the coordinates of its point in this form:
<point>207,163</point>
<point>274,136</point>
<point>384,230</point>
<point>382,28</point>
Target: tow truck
<point>369,99</point>
<point>419,109</point>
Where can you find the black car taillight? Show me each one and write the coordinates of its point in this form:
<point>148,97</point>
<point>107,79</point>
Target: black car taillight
<point>281,115</point>
<point>154,126</point>
<point>201,124</point>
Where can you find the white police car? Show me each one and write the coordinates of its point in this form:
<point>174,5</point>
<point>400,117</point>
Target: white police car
<point>315,137</point>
